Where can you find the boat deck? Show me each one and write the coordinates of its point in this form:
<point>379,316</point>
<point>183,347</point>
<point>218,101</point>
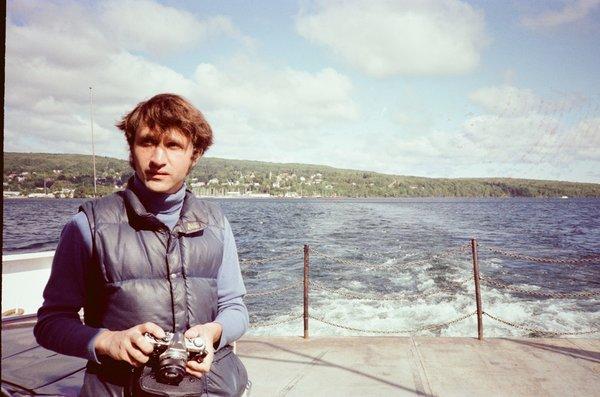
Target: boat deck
<point>405,366</point>
<point>360,366</point>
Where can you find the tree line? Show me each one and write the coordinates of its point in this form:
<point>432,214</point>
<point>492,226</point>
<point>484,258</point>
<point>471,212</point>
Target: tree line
<point>27,172</point>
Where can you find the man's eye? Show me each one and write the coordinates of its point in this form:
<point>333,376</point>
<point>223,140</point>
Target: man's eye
<point>174,145</point>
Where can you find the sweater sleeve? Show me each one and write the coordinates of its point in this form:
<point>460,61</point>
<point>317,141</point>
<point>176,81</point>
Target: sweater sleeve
<point>231,311</point>
<point>59,327</point>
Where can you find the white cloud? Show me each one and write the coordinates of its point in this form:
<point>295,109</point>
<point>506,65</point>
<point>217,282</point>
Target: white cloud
<point>518,133</point>
<point>410,37</point>
<point>144,25</point>
<point>510,100</point>
<point>582,141</point>
<point>55,51</point>
<point>572,11</point>
<point>506,99</point>
<point>263,113</point>
<point>286,97</point>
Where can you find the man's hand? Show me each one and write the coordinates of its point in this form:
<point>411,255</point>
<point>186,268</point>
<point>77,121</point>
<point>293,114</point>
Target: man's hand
<point>211,334</point>
<point>129,345</point>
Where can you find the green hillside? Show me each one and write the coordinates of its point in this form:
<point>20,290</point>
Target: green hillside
<point>26,173</point>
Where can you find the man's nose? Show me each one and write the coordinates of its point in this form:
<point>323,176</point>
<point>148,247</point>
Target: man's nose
<point>159,156</point>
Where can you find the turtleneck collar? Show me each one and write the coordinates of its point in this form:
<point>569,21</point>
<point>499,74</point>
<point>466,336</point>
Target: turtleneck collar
<point>159,204</point>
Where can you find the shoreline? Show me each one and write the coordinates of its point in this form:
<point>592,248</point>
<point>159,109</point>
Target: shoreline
<point>241,197</point>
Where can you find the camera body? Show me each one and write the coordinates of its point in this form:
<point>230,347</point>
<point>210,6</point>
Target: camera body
<point>171,354</point>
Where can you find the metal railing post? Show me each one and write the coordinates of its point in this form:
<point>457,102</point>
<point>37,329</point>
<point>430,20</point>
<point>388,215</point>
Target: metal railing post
<point>306,271</point>
<point>477,289</point>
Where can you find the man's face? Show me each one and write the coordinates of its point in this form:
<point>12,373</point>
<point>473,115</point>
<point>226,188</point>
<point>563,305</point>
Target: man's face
<point>162,161</point>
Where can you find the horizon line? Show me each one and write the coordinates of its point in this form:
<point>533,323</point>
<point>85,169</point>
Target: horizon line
<point>332,167</point>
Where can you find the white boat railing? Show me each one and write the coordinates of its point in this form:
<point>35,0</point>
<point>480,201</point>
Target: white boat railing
<point>24,277</point>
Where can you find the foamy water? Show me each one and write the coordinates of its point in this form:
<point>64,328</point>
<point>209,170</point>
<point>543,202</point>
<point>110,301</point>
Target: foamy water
<point>382,236</point>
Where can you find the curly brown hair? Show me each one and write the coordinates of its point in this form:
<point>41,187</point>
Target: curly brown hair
<point>164,112</point>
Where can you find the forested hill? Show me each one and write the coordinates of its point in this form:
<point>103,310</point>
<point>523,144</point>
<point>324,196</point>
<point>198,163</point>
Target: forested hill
<point>30,172</point>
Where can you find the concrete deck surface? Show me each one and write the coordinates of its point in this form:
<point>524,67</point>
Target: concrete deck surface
<point>404,366</point>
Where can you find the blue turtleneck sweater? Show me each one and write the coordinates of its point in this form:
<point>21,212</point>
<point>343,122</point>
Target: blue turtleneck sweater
<point>59,327</point>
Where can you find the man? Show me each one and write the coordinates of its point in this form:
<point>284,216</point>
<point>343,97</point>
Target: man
<point>149,259</point>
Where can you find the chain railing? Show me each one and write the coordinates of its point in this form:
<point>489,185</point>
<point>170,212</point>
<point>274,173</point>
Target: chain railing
<point>394,331</point>
<point>381,296</point>
<point>515,255</point>
<point>539,330</point>
<point>429,327</point>
<point>348,262</point>
<point>544,294</point>
<point>288,319</point>
<point>276,291</point>
<point>252,262</point>
<point>314,285</point>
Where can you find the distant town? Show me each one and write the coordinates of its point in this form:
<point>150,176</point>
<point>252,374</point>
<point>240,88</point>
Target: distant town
<point>46,175</point>
<point>18,185</point>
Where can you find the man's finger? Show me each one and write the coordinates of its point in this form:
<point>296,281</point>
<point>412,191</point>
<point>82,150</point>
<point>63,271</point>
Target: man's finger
<point>194,373</point>
<point>192,332</point>
<point>199,367</point>
<point>152,328</point>
<point>137,355</point>
<point>142,344</point>
<point>130,359</point>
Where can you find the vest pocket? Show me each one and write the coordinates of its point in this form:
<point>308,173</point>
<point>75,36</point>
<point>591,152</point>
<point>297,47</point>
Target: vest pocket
<point>227,376</point>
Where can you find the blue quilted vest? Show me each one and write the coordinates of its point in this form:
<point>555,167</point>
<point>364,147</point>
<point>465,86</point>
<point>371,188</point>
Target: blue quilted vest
<point>142,271</point>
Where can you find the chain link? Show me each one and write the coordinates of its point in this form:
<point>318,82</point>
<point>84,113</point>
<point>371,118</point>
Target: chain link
<point>445,253</point>
<point>289,319</point>
<point>557,295</point>
<point>383,297</point>
<point>405,331</point>
<point>275,291</point>
<point>538,330</point>
<point>251,262</point>
<point>516,255</point>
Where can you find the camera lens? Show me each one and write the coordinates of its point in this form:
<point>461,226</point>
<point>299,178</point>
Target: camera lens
<point>171,370</point>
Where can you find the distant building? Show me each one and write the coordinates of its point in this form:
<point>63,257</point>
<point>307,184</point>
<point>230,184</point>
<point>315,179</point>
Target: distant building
<point>65,193</point>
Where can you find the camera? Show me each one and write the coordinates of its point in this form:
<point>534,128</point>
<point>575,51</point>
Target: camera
<point>171,354</point>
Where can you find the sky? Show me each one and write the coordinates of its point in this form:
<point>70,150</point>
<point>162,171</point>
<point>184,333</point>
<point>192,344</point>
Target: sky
<point>434,88</point>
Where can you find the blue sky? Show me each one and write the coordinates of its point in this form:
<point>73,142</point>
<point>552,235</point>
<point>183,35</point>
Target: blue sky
<point>441,88</point>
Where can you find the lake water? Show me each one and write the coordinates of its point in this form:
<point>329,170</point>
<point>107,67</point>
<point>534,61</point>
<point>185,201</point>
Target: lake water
<point>372,245</point>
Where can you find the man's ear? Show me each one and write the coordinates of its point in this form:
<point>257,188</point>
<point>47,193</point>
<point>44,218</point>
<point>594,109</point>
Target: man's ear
<point>196,157</point>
